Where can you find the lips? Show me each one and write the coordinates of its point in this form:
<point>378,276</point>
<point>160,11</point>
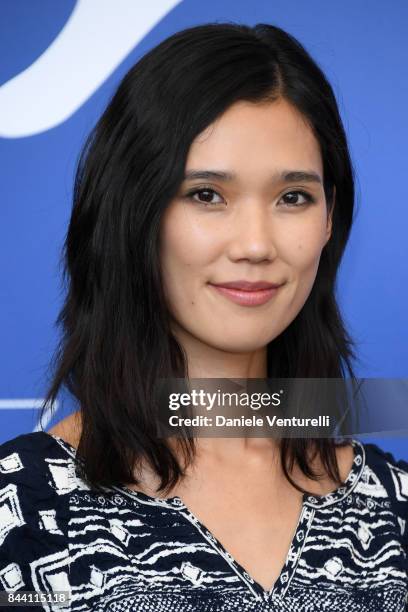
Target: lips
<point>246,293</point>
<point>247,285</point>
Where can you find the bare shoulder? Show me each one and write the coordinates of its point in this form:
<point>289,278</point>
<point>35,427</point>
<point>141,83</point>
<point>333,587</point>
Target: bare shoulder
<point>69,429</point>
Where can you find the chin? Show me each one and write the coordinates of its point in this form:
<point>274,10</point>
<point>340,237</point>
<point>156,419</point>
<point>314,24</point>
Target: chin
<point>237,344</point>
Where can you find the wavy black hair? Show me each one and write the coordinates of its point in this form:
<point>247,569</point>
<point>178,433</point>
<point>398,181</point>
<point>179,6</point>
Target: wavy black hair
<point>116,339</point>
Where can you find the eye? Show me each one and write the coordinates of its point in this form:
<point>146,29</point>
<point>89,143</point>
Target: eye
<point>206,193</point>
<point>293,198</point>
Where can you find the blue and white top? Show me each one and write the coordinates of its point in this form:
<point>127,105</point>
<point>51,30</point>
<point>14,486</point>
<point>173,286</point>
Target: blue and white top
<point>124,551</point>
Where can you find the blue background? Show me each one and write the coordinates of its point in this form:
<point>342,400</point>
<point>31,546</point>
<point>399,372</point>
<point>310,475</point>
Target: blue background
<point>363,49</point>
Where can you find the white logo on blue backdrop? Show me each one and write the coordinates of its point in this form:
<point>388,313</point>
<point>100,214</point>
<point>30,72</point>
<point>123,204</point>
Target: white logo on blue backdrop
<point>96,38</point>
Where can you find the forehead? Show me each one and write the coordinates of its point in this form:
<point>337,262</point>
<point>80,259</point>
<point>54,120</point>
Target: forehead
<point>256,138</point>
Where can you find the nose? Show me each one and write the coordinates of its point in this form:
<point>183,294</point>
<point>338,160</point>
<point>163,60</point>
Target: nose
<point>251,233</point>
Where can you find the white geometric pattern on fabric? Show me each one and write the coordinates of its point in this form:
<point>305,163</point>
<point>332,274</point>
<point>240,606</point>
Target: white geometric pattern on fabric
<point>11,578</point>
<point>11,515</point>
<point>120,550</point>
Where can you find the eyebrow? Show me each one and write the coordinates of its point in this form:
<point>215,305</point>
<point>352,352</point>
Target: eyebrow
<point>287,176</point>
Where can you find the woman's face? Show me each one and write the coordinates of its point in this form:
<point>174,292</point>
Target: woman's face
<point>253,225</point>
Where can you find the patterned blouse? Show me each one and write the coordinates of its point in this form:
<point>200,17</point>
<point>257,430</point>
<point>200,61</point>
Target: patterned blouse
<point>124,551</point>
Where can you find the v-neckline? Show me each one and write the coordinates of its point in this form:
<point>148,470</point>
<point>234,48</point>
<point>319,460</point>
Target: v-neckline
<point>309,505</point>
<point>281,583</point>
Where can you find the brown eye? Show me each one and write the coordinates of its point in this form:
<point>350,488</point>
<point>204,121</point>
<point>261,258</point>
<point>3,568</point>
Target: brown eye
<point>206,196</point>
<point>292,198</point>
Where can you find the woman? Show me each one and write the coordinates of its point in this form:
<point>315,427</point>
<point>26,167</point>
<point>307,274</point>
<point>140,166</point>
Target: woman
<point>221,160</point>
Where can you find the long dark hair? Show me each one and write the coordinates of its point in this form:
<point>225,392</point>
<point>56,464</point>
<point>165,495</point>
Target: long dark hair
<point>116,339</point>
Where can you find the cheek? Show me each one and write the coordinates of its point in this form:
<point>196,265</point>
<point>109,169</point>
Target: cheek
<point>301,245</point>
<point>185,254</point>
<point>301,252</point>
<point>186,240</point>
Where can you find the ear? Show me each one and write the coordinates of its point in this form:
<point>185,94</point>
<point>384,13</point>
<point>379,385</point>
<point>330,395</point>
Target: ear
<point>330,217</point>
